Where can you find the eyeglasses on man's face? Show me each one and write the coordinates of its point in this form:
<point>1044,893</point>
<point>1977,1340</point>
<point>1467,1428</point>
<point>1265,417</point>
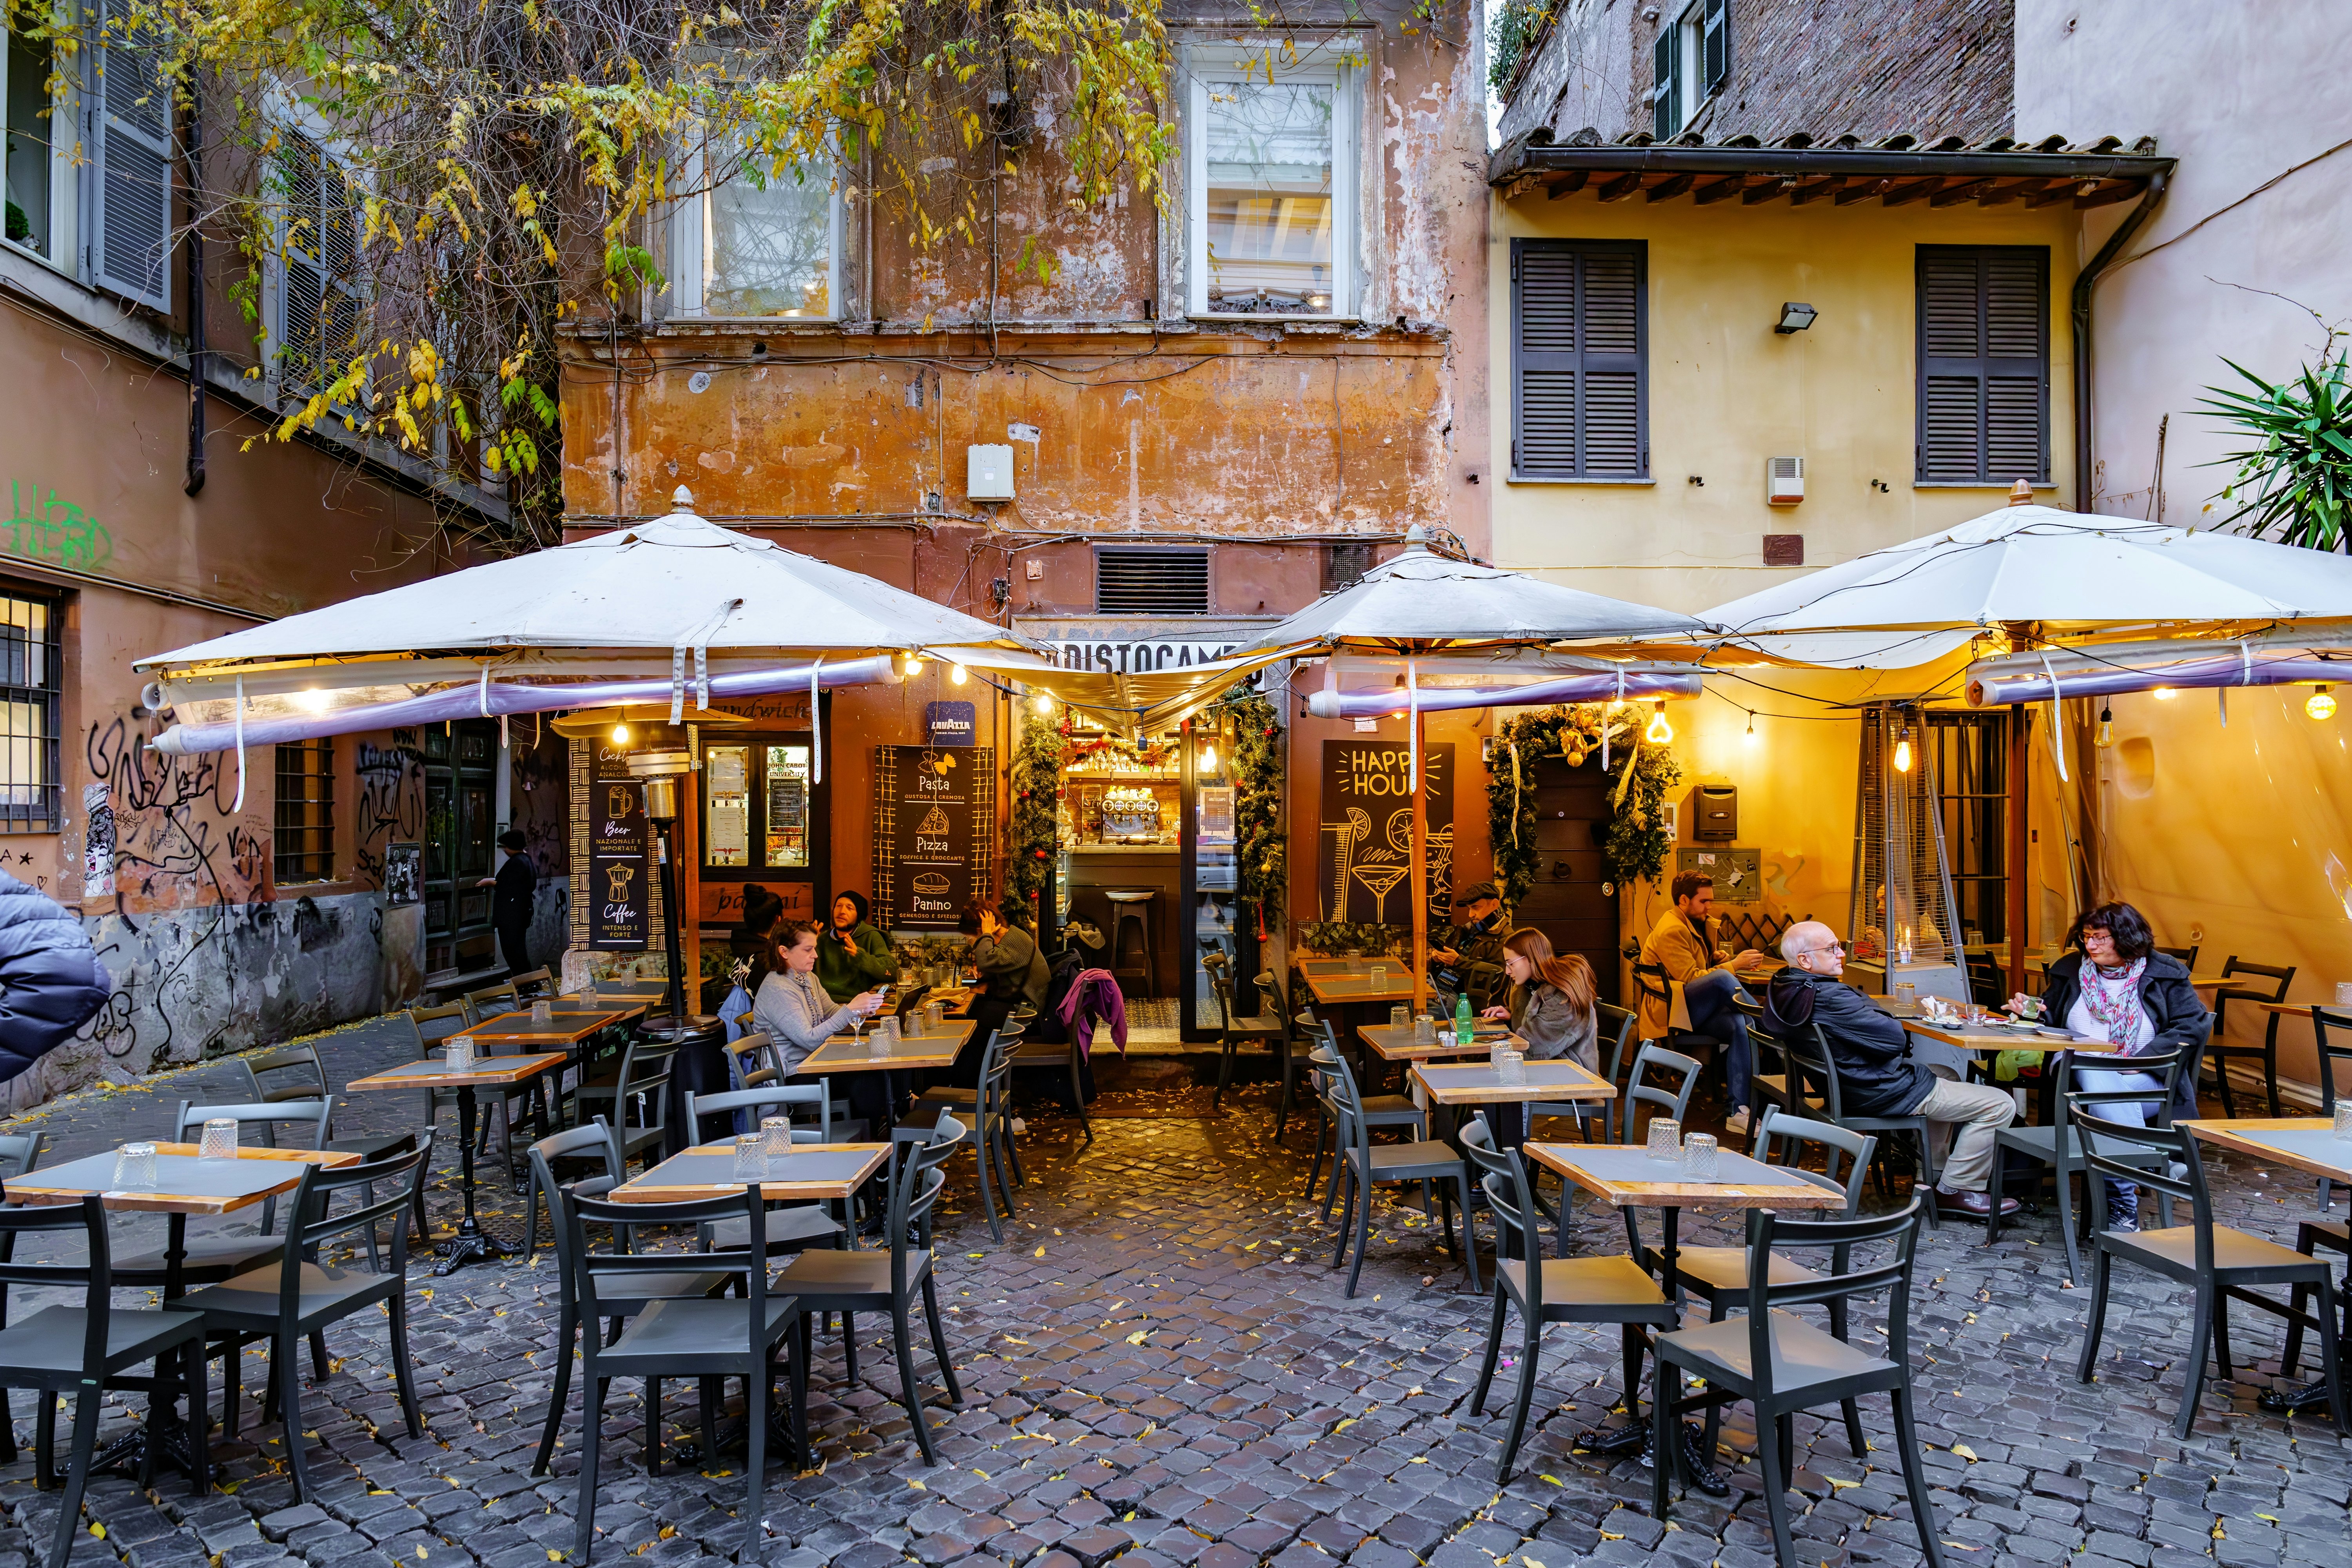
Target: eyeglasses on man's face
<point>1834,947</point>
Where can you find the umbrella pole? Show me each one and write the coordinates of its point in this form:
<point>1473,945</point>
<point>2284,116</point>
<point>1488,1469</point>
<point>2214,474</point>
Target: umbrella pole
<point>2019,752</point>
<point>1419,877</point>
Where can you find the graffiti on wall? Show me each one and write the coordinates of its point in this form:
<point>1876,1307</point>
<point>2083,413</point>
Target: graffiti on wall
<point>56,531</point>
<point>174,841</point>
<point>391,802</point>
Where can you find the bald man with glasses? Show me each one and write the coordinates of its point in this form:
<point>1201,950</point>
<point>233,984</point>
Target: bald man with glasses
<point>1877,1072</point>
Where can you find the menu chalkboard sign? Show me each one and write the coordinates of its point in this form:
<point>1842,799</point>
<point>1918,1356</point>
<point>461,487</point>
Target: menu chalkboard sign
<point>934,813</point>
<point>1365,847</point>
<point>620,863</point>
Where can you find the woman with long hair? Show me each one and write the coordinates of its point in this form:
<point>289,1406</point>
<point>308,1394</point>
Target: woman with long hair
<point>1551,1008</point>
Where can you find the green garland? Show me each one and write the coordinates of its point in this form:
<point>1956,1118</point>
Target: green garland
<point>1036,788</point>
<point>1259,842</point>
<point>1637,843</point>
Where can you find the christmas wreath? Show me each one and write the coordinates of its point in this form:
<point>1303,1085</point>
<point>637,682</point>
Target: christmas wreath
<point>1637,840</point>
<point>1036,789</point>
<point>1259,842</point>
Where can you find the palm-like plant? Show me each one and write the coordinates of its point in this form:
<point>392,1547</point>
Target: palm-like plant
<point>2297,477</point>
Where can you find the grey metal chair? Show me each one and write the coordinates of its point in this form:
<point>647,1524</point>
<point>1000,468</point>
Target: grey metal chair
<point>1233,1032</point>
<point>296,1072</point>
<point>1292,1049</point>
<point>20,1154</point>
<point>790,1227</point>
<point>1364,1164</point>
<point>2219,1053</point>
<point>1814,1078</point>
<point>1616,1025</point>
<point>1612,1290</point>
<point>1376,1111</point>
<point>84,1350</point>
<point>2218,1263</point>
<point>1780,1365</point>
<point>2322,1234</point>
<point>989,1132</point>
<point>888,1279</point>
<point>2059,1146</point>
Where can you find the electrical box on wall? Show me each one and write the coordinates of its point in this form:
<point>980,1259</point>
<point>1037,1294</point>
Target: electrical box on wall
<point>1784,481</point>
<point>988,473</point>
<point>1715,809</point>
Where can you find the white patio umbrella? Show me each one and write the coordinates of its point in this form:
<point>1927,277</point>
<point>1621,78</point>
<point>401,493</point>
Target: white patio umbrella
<point>1420,606</point>
<point>676,608</point>
<point>2036,573</point>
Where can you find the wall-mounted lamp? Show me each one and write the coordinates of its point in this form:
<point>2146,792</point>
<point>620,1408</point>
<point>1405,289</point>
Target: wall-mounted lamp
<point>1795,317</point>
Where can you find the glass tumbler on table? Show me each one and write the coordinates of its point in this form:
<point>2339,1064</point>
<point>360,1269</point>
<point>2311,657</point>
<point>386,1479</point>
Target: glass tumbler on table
<point>1699,1157</point>
<point>134,1168</point>
<point>2344,993</point>
<point>1424,1031</point>
<point>751,1156</point>
<point>2344,1120</point>
<point>776,1136</point>
<point>1399,1016</point>
<point>1666,1138</point>
<point>458,1057</point>
<point>1379,978</point>
<point>1511,1068</point>
<point>543,1011</point>
<point>218,1140</point>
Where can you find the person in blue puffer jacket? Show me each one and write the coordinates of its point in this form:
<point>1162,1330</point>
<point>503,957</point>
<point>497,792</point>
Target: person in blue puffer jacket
<point>50,982</point>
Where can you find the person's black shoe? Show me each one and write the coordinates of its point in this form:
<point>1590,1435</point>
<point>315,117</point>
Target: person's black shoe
<point>1975,1204</point>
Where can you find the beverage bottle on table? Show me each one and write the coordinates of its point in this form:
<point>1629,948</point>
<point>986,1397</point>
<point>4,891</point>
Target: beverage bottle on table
<point>1462,1028</point>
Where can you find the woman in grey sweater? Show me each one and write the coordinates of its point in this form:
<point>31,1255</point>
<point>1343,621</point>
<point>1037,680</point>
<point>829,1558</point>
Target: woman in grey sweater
<point>1551,1010</point>
<point>793,1009</point>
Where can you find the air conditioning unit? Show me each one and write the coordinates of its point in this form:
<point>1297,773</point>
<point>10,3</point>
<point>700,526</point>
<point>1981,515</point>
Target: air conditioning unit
<point>988,473</point>
<point>1784,481</point>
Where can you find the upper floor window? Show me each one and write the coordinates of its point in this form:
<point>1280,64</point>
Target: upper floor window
<point>1689,64</point>
<point>321,292</point>
<point>1579,359</point>
<point>1270,150</point>
<point>28,715</point>
<point>1984,364</point>
<point>760,242</point>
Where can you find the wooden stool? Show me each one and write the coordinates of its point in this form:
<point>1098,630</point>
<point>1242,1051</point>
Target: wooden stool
<point>1134,906</point>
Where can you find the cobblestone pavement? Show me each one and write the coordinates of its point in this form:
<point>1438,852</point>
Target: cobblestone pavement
<point>1160,1368</point>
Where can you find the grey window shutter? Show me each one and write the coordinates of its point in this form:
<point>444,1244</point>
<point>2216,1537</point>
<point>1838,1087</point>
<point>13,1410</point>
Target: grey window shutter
<point>322,305</point>
<point>1984,363</point>
<point>1580,392</point>
<point>1666,95</point>
<point>131,239</point>
<point>1715,32</point>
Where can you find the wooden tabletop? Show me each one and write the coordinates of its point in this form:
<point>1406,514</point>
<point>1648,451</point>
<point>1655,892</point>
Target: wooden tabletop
<point>1392,1043</point>
<point>707,1171</point>
<point>1333,989</point>
<point>1561,1158</point>
<point>1998,1037</point>
<point>433,1073</point>
<point>1476,1084</point>
<point>78,1179</point>
<point>635,990</point>
<point>568,1026</point>
<point>2338,1012</point>
<point>844,1053</point>
<point>2334,1163</point>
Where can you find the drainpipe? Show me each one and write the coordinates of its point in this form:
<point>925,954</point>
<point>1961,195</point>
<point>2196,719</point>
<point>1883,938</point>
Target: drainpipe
<point>2081,314</point>
<point>195,480</point>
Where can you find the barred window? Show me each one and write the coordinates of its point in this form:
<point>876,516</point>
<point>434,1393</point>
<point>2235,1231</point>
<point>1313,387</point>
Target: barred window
<point>306,812</point>
<point>28,715</point>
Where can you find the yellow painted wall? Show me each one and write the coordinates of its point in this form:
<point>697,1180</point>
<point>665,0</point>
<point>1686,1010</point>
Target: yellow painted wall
<point>1726,392</point>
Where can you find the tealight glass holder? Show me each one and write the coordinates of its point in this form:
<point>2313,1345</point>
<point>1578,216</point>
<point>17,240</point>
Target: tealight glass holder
<point>1666,1138</point>
<point>1399,1016</point>
<point>1380,976</point>
<point>877,1038</point>
<point>1424,1031</point>
<point>459,1056</point>
<point>134,1168</point>
<point>2344,1120</point>
<point>1511,1068</point>
<point>2344,993</point>
<point>1699,1156</point>
<point>776,1136</point>
<point>543,1011</point>
<point>751,1156</point>
<point>218,1140</point>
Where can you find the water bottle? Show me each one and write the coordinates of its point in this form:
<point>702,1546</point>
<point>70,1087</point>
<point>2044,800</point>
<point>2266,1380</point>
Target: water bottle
<point>1462,1027</point>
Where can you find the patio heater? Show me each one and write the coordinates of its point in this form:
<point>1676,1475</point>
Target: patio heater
<point>1902,876</point>
<point>661,772</point>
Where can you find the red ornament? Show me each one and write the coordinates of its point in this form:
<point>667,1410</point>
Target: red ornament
<point>1039,853</point>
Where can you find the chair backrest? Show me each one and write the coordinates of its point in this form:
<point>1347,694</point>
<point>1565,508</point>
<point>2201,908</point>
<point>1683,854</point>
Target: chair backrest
<point>2281,976</point>
<point>994,1100</point>
<point>1221,989</point>
<point>533,982</point>
<point>1340,1095</point>
<point>20,1152</point>
<point>757,1054</point>
<point>297,1113</point>
<point>774,1098</point>
<point>594,1142</point>
<point>908,1222</point>
<point>1652,981</point>
<point>645,1080</point>
<point>1503,1176</point>
<point>313,1220</point>
<point>2102,1140</point>
<point>623,1275</point>
<point>2331,1053</point>
<point>307,1079</point>
<point>1274,987</point>
<point>1786,1136</point>
<point>2188,955</point>
<point>1615,1025</point>
<point>1273,1004</point>
<point>1767,1230</point>
<point>427,1022</point>
<point>1639,1090</point>
<point>2168,1066</point>
<point>1813,1068</point>
<point>491,1000</point>
<point>94,1273</point>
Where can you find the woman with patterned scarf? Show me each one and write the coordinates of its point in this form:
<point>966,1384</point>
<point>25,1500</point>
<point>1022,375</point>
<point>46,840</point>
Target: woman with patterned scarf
<point>2114,986</point>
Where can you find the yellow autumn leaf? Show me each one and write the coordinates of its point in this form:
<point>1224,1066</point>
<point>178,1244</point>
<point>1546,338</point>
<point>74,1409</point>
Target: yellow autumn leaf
<point>1138,1337</point>
<point>1343,1425</point>
<point>1965,1452</point>
<point>97,1530</point>
<point>1040,1252</point>
<point>1555,1480</point>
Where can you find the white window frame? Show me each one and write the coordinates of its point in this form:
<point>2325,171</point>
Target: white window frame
<point>296,119</point>
<point>689,249</point>
<point>65,178</point>
<point>1333,61</point>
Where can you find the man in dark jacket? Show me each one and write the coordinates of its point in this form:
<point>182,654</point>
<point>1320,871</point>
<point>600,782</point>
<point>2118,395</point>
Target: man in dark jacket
<point>1876,1073</point>
<point>516,882</point>
<point>50,982</point>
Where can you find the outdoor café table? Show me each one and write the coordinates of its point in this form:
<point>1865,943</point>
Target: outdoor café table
<point>812,1173</point>
<point>1625,1177</point>
<point>848,1053</point>
<point>184,1185</point>
<point>1348,987</point>
<point>472,1241</point>
<point>630,990</point>
<point>2305,1143</point>
<point>1456,1085</point>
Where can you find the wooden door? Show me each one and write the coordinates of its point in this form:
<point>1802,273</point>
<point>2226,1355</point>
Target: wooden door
<point>1566,903</point>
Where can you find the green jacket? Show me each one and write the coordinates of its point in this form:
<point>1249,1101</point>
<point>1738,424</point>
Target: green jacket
<point>848,968</point>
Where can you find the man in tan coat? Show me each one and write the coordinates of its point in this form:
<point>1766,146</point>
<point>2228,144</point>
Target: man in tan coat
<point>1683,945</point>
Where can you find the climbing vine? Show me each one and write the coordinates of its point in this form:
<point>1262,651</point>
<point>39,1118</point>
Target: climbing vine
<point>1260,845</point>
<point>1036,796</point>
<point>1637,843</point>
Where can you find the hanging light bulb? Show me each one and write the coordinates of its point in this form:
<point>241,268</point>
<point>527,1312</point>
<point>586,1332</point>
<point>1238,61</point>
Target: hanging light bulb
<point>1045,702</point>
<point>2163,694</point>
<point>2321,704</point>
<point>310,699</point>
<point>1208,758</point>
<point>1660,732</point>
<point>955,675</point>
<point>1751,727</point>
<point>914,666</point>
<point>2106,735</point>
<point>1902,753</point>
<point>620,734</point>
